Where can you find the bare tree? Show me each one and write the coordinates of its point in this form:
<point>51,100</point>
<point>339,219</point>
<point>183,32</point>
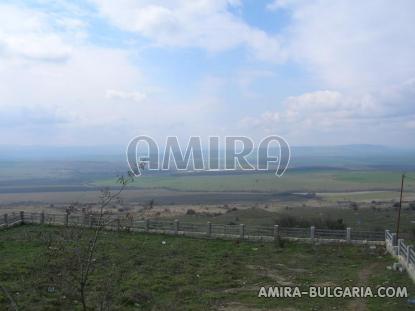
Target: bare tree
<point>71,256</point>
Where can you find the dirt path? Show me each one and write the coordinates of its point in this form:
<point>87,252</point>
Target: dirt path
<point>359,304</point>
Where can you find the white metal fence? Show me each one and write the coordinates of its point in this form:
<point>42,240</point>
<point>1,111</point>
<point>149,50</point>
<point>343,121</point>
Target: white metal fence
<point>210,230</point>
<point>404,253</point>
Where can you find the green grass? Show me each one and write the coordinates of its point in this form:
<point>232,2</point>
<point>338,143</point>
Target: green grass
<point>191,274</point>
<point>292,181</point>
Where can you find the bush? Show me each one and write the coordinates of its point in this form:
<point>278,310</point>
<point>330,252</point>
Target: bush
<point>334,224</point>
<point>234,209</point>
<point>354,206</point>
<point>190,212</point>
<point>291,221</point>
<point>325,223</point>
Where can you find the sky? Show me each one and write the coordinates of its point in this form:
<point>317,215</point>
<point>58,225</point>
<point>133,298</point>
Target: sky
<point>97,72</point>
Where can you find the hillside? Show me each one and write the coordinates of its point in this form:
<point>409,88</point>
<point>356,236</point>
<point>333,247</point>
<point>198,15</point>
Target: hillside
<point>157,272</point>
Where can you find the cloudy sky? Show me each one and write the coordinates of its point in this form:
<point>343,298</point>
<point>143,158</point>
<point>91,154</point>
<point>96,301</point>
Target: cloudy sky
<point>102,71</point>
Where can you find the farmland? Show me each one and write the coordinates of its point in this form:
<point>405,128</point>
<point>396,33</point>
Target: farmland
<point>358,185</point>
<point>316,180</point>
<point>362,199</point>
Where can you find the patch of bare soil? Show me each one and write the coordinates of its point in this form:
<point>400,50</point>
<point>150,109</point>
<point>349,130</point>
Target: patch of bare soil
<point>233,306</point>
<point>275,275</point>
<point>359,304</point>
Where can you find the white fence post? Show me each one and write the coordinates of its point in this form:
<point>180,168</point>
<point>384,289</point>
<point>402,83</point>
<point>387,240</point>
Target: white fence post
<point>242,231</point>
<point>399,246</point>
<point>209,229</point>
<point>408,257</point>
<point>176,226</point>
<point>276,232</point>
<point>312,232</point>
<point>394,241</point>
<point>348,235</point>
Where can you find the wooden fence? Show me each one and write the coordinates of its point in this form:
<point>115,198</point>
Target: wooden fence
<point>207,230</point>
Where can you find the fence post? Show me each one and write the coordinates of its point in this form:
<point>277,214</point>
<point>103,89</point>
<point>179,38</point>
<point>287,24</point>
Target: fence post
<point>394,241</point>
<point>408,257</point>
<point>67,218</point>
<point>42,218</point>
<point>387,232</point>
<point>22,217</point>
<point>209,229</point>
<point>399,246</point>
<point>348,234</point>
<point>176,226</point>
<point>83,219</point>
<point>6,220</point>
<point>276,232</point>
<point>147,225</point>
<point>400,242</point>
<point>242,231</point>
<point>312,232</point>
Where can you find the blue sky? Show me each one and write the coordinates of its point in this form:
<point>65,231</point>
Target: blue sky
<point>92,72</point>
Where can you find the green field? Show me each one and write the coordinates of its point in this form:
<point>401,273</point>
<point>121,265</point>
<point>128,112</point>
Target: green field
<point>293,181</point>
<point>144,273</point>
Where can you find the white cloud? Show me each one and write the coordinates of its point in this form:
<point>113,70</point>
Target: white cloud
<point>198,23</point>
<point>319,113</point>
<point>129,96</point>
<point>355,45</point>
<point>73,92</point>
<point>26,34</point>
<point>361,52</point>
<point>52,79</point>
<point>359,55</point>
<point>278,4</point>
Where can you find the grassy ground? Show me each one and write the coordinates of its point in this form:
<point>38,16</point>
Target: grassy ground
<point>190,274</point>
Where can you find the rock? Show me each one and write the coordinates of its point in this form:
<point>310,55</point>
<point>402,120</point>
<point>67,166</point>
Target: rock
<point>396,266</point>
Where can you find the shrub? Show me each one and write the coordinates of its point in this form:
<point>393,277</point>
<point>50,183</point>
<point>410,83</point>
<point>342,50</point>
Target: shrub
<point>324,223</point>
<point>234,209</point>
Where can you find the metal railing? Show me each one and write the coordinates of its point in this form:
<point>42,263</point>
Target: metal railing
<point>404,253</point>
